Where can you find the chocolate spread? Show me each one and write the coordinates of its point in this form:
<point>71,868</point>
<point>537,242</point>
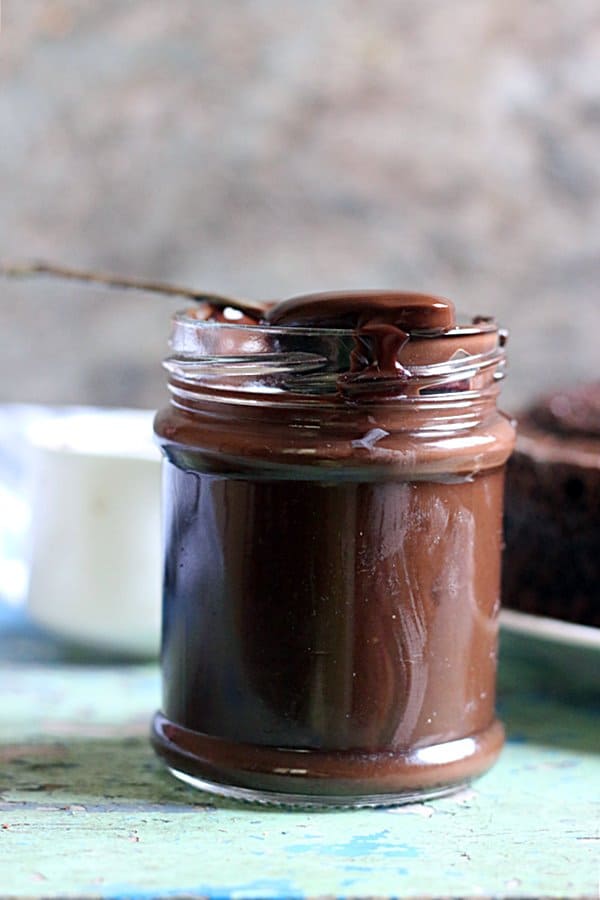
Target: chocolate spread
<point>333,559</point>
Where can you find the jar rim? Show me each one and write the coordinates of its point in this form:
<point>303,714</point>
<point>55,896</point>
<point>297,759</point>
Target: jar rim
<point>251,360</point>
<point>466,329</point>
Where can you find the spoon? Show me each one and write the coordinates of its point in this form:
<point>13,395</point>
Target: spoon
<point>219,301</point>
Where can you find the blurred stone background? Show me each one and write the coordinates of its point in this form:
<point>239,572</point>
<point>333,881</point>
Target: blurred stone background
<point>270,147</point>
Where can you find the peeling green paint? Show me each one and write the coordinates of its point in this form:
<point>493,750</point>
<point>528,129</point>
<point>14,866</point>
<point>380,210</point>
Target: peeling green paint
<point>86,810</point>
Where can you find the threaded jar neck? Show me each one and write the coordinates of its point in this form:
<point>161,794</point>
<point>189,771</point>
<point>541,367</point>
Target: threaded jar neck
<point>275,366</point>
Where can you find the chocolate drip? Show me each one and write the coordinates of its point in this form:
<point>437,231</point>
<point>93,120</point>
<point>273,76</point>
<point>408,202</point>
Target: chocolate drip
<point>382,321</point>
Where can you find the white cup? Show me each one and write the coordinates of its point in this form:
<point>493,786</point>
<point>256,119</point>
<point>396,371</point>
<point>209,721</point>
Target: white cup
<point>95,571</point>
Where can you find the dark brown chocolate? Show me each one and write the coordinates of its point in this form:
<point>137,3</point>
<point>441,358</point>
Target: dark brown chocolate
<point>409,312</point>
<point>382,322</point>
<point>332,568</point>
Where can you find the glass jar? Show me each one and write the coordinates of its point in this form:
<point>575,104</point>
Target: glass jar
<point>332,564</point>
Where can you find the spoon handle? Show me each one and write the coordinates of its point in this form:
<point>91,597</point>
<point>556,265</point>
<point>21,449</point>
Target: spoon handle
<point>34,269</point>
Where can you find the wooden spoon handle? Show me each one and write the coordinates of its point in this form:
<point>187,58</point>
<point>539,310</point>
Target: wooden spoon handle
<point>34,269</point>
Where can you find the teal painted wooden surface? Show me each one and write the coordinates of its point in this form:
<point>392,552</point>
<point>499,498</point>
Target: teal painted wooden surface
<point>86,810</point>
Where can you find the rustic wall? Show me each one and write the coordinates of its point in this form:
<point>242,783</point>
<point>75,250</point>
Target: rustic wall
<point>268,147</point>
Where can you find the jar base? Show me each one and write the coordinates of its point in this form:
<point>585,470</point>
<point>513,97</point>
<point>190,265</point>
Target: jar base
<point>319,778</point>
<point>308,801</point>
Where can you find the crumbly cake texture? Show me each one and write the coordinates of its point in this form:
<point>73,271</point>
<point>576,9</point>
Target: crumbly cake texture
<point>552,520</point>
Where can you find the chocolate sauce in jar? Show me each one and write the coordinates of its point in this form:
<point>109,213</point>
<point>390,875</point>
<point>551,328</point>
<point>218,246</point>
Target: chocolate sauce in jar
<point>333,503</point>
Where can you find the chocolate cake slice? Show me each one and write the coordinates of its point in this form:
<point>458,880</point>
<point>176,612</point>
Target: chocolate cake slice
<point>551,562</point>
